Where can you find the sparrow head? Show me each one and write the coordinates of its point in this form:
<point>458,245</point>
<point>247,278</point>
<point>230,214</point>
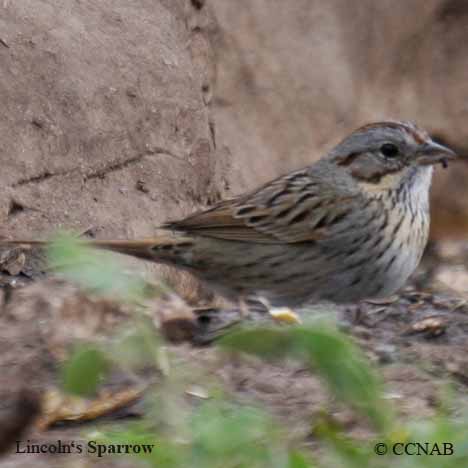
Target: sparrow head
<point>385,153</point>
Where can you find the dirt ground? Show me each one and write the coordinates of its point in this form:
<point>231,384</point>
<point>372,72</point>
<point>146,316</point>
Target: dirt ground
<point>416,339</point>
<point>117,117</point>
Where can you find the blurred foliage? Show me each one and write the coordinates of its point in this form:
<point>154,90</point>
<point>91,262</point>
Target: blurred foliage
<point>83,372</point>
<point>95,270</point>
<point>326,351</point>
<point>211,431</point>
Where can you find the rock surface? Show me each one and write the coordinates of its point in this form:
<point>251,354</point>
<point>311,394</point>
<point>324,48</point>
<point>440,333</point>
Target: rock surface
<point>106,123</point>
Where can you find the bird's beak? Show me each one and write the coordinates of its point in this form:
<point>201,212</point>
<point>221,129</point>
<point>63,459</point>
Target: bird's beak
<point>431,153</point>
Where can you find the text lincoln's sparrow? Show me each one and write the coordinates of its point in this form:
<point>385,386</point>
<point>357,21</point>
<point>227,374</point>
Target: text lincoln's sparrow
<point>351,226</point>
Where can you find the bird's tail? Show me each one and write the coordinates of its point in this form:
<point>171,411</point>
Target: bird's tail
<point>159,247</point>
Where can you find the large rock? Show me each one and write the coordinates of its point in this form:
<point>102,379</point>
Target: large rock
<point>106,124</point>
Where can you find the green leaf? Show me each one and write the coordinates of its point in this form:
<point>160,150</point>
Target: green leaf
<point>345,369</point>
<point>162,453</point>
<point>96,270</point>
<point>234,436</point>
<point>327,351</point>
<point>136,347</point>
<point>297,460</point>
<point>265,342</point>
<point>82,373</point>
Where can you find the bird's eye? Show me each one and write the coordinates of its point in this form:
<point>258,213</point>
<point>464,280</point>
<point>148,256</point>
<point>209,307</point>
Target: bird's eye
<point>389,150</point>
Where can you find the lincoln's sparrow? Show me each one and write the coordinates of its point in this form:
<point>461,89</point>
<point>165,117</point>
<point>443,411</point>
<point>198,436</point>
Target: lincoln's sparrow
<point>351,226</point>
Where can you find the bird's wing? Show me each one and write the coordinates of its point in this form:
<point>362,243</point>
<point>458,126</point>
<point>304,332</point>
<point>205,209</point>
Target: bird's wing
<point>294,208</point>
